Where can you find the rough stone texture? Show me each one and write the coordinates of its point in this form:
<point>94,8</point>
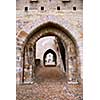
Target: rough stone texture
<point>54,73</point>
<point>31,25</point>
<point>48,4</point>
<point>70,51</point>
<point>49,90</point>
<point>66,17</point>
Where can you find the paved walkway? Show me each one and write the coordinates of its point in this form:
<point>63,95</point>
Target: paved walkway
<point>49,90</point>
<point>54,73</point>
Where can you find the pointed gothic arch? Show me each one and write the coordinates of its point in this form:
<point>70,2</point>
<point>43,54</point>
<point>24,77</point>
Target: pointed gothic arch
<point>50,58</point>
<point>51,29</point>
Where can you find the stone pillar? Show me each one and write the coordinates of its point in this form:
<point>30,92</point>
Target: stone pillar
<point>72,65</point>
<point>26,56</point>
<point>22,69</point>
<point>26,67</point>
<point>19,66</point>
<point>30,60</point>
<point>29,64</point>
<point>70,68</point>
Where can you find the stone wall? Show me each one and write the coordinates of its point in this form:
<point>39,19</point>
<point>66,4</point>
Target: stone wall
<point>48,4</point>
<point>27,21</point>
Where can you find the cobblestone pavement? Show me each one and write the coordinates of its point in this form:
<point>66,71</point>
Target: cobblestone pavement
<point>49,90</point>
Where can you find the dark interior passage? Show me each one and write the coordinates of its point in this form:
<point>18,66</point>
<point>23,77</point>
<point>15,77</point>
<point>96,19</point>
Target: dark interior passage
<point>62,52</point>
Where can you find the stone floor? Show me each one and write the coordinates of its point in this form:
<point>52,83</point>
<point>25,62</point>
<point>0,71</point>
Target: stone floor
<point>54,73</point>
<point>49,90</point>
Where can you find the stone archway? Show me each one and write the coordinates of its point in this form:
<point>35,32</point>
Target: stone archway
<point>64,33</point>
<point>70,44</point>
<point>50,58</point>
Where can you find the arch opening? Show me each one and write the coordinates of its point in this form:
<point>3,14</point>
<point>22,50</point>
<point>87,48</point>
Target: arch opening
<point>50,58</point>
<point>66,43</point>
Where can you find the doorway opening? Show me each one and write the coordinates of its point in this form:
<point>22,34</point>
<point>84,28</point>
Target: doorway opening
<point>50,58</point>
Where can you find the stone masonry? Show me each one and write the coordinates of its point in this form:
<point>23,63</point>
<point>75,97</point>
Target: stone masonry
<point>38,18</point>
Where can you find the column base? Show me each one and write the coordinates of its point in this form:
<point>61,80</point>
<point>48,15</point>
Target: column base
<point>73,82</point>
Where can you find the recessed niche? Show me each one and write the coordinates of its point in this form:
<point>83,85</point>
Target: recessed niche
<point>65,1</point>
<point>32,1</point>
<point>37,62</point>
<point>58,7</point>
<point>26,8</point>
<point>74,8</point>
<point>42,8</point>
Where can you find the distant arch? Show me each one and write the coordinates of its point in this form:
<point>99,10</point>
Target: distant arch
<point>51,60</point>
<point>51,28</point>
